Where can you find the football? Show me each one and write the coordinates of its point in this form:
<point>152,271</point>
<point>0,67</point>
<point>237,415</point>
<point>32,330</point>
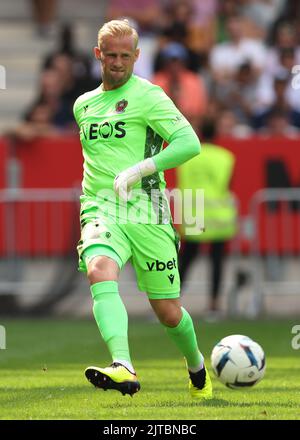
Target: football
<point>238,361</point>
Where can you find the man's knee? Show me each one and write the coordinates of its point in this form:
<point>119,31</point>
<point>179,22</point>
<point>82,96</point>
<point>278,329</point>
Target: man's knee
<point>102,268</point>
<point>170,319</point>
<point>168,311</point>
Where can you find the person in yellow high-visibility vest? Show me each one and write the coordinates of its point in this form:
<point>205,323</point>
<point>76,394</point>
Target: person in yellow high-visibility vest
<point>211,171</point>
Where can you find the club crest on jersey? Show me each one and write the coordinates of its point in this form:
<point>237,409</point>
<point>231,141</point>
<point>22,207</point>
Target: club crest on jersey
<point>121,105</point>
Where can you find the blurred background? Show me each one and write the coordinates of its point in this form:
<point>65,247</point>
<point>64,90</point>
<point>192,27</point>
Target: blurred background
<point>231,68</point>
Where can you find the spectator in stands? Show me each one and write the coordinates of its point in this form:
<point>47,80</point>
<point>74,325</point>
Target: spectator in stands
<point>38,123</point>
<point>240,94</point>
<point>290,13</point>
<point>226,57</point>
<point>226,9</point>
<point>261,13</point>
<point>82,64</point>
<point>59,89</point>
<point>280,94</point>
<point>277,125</point>
<point>228,126</point>
<point>285,40</point>
<point>176,28</point>
<point>54,96</point>
<point>44,12</point>
<point>63,65</point>
<point>146,13</point>
<point>201,25</point>
<point>183,86</point>
<point>51,113</point>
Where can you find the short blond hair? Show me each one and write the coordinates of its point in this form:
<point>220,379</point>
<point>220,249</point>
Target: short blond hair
<point>117,28</point>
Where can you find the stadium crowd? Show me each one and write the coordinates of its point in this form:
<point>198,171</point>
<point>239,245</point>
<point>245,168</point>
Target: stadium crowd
<point>227,62</point>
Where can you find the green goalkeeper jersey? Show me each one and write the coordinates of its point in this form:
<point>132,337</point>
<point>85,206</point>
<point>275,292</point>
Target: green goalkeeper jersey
<point>121,127</point>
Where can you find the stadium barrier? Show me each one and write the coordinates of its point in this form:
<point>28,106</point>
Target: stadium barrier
<point>275,244</point>
<point>38,230</point>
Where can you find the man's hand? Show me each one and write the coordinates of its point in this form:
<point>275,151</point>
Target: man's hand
<point>129,177</point>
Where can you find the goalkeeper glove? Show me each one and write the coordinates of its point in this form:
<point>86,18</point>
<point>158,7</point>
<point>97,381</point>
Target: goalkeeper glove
<point>129,177</point>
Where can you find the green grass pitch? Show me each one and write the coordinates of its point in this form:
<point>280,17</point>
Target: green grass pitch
<point>41,373</point>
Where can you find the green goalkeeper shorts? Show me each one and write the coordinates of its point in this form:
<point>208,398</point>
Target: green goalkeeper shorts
<point>151,248</point>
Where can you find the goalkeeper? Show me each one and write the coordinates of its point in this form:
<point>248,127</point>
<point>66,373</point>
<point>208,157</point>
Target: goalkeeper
<point>124,213</point>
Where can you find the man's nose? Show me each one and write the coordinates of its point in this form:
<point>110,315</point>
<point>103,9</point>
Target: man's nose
<point>118,61</point>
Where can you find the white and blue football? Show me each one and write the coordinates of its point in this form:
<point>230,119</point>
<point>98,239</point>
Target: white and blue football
<point>238,361</point>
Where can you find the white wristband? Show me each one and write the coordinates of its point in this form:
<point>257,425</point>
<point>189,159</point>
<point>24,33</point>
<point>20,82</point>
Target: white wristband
<point>147,167</point>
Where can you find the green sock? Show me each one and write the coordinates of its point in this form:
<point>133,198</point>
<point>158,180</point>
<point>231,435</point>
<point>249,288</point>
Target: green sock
<point>184,337</point>
<point>111,317</point>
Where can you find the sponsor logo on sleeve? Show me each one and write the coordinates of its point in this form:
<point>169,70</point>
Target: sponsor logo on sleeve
<point>177,119</point>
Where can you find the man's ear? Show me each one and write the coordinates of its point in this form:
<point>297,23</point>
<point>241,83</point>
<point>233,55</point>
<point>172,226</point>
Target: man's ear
<point>97,53</point>
<point>137,53</point>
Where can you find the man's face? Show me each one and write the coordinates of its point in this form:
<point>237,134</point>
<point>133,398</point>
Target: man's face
<point>117,56</point>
